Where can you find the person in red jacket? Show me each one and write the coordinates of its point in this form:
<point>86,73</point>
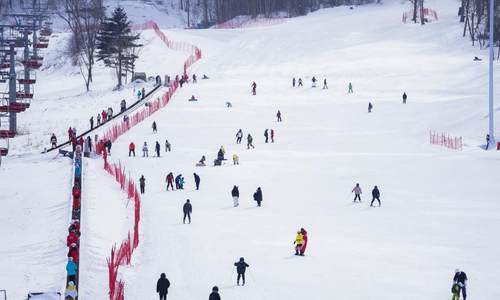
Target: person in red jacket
<point>104,115</point>
<point>81,141</point>
<point>272,135</point>
<point>70,133</point>
<point>75,226</point>
<point>72,238</point>
<point>131,149</point>
<point>76,192</point>
<point>304,246</point>
<point>170,180</point>
<point>73,143</point>
<point>73,252</point>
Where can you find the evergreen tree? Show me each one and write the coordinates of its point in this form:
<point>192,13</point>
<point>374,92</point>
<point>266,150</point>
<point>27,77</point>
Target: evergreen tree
<point>115,44</point>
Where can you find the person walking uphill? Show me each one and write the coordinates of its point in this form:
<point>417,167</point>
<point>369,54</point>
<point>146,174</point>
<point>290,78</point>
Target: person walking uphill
<point>239,136</point>
<point>375,195</point>
<point>197,180</point>
<point>241,267</point>
<point>142,184</point>
<point>460,278</point>
<point>357,192</point>
<point>235,193</point>
<point>162,286</point>
<point>71,268</point>
<point>250,142</point>
<point>187,208</point>
<point>266,135</point>
<point>215,294</point>
<point>278,116</point>
<point>257,196</point>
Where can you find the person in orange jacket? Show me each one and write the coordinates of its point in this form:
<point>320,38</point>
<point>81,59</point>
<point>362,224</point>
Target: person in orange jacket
<point>131,149</point>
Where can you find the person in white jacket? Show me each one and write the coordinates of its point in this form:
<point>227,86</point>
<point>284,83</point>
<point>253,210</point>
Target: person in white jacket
<point>145,150</point>
<point>357,192</point>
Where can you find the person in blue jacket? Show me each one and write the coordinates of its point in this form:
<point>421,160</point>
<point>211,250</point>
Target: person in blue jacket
<point>71,268</point>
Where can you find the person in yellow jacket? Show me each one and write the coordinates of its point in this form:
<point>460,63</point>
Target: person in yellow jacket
<point>236,159</point>
<point>299,241</point>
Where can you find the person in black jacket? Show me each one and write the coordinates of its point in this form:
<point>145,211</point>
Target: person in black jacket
<point>157,148</point>
<point>187,209</point>
<point>197,180</point>
<point>162,286</point>
<point>257,196</point>
<point>460,278</point>
<point>241,267</point>
<point>266,135</point>
<point>235,192</point>
<point>404,98</point>
<point>375,195</point>
<point>215,294</point>
<point>142,184</point>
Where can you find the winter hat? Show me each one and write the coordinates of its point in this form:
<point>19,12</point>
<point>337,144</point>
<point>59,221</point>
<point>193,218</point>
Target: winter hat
<point>215,289</point>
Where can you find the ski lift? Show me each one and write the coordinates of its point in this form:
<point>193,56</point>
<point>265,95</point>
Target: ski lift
<point>14,107</point>
<point>4,65</point>
<point>30,80</point>
<point>4,147</point>
<point>5,132</point>
<point>31,64</point>
<point>41,45</point>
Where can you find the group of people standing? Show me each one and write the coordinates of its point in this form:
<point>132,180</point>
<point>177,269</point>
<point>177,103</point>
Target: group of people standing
<point>357,194</point>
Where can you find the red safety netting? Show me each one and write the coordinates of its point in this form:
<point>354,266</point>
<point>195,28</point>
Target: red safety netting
<point>445,140</point>
<point>124,254</point>
<point>429,14</point>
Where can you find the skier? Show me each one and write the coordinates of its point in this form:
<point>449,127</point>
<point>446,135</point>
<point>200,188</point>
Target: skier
<point>215,294</point>
<point>236,159</point>
<point>157,148</point>
<point>272,135</point>
<point>460,278</point>
<point>404,98</point>
<point>487,141</point>
<point>249,142</point>
<point>266,135</point>
<point>349,91</point>
<point>98,119</point>
<point>325,85</point>
<point>197,180</point>
<point>235,193</point>
<point>304,246</point>
<point>313,82</point>
<point>167,146</point>
<point>293,82</point>
<point>145,150</point>
<point>187,208</point>
<point>71,268</point>
<point>375,195</point>
<point>239,136</point>
<point>278,116</point>
<point>357,192</point>
<point>220,155</point>
<point>300,82</point>
<point>254,88</point>
<point>170,181</point>
<point>241,267</point>
<point>299,241</point>
<point>370,106</point>
<point>162,286</point>
<point>257,196</point>
<point>131,149</point>
<point>154,126</point>
<point>142,184</point>
<point>91,122</point>
<point>53,140</point>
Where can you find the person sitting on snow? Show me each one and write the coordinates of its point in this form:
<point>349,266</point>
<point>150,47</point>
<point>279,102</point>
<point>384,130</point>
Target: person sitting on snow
<point>192,98</point>
<point>201,163</point>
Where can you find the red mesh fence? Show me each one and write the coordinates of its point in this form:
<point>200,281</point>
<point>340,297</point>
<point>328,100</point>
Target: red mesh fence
<point>445,140</point>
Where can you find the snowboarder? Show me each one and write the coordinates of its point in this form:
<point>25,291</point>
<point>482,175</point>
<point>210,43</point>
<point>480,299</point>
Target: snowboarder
<point>300,82</point>
<point>257,196</point>
<point>145,150</point>
<point>313,82</point>
<point>167,146</point>
<point>91,122</point>
<point>215,294</point>
<point>131,149</point>
<point>404,98</point>
<point>235,193</point>
<point>162,286</point>
<point>197,180</point>
<point>53,140</point>
<point>254,88</point>
<point>157,149</point>
<point>249,142</point>
<point>236,159</point>
<point>187,208</point>
<point>304,246</point>
<point>154,126</point>
<point>487,141</point>
<point>299,241</point>
<point>349,91</point>
<point>370,107</point>
<point>170,181</point>
<point>460,278</point>
<point>142,184</point>
<point>293,82</point>
<point>375,195</point>
<point>239,136</point>
<point>278,116</point>
<point>357,192</point>
<point>241,267</point>
<point>272,135</point>
<point>71,268</point>
<point>325,85</point>
<point>266,135</point>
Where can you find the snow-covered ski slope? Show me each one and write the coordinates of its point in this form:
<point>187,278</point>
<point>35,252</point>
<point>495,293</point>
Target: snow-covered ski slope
<point>439,210</point>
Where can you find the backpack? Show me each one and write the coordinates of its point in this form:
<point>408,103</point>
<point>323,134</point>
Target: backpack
<point>455,288</point>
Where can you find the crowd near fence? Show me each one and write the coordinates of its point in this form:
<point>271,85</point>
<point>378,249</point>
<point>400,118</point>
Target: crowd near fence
<point>123,255</point>
<point>429,14</point>
<point>445,140</point>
